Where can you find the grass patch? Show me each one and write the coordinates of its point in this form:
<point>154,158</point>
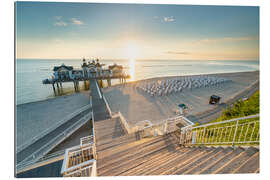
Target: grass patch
<point>242,108</point>
<point>247,130</point>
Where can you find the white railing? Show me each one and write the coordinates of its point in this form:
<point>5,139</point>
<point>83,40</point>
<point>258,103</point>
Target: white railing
<point>88,170</point>
<point>42,151</point>
<point>243,130</point>
<point>107,105</point>
<point>85,169</point>
<point>45,132</point>
<point>85,141</point>
<point>146,128</point>
<point>77,159</point>
<point>81,160</point>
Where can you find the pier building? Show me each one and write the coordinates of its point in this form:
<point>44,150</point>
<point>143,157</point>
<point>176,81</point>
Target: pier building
<point>93,70</point>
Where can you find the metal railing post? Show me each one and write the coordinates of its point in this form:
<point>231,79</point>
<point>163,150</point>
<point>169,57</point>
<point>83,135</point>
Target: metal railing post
<point>235,131</point>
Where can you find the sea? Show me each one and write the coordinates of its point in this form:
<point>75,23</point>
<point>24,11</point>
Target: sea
<point>31,72</point>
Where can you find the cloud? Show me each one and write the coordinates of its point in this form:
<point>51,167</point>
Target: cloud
<point>177,52</point>
<point>227,39</point>
<point>76,21</point>
<point>58,17</point>
<point>60,23</point>
<point>168,19</point>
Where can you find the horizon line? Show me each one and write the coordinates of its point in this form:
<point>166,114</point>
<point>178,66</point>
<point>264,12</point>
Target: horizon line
<point>125,59</point>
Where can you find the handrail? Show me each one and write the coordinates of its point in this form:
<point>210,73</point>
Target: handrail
<point>43,159</point>
<point>79,165</point>
<point>46,131</point>
<point>52,155</point>
<point>63,135</point>
<point>107,105</point>
<point>227,121</point>
<point>224,132</point>
<point>80,169</point>
<point>86,138</point>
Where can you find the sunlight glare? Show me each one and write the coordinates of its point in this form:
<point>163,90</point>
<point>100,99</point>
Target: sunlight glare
<point>132,51</point>
<point>132,69</point>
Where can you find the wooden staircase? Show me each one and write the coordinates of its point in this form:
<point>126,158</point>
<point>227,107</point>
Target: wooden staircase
<point>162,156</point>
<point>122,154</point>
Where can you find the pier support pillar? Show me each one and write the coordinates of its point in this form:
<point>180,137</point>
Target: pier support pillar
<point>54,89</point>
<point>109,82</point>
<point>85,86</point>
<point>75,88</point>
<point>58,89</point>
<point>100,83</point>
<point>78,86</point>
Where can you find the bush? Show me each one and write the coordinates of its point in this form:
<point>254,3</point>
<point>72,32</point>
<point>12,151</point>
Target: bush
<point>242,108</point>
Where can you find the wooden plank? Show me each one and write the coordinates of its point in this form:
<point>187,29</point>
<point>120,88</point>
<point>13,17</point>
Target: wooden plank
<point>136,157</point>
<point>157,161</point>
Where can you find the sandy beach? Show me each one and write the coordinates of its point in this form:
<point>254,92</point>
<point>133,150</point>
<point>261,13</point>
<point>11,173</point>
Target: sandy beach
<point>137,106</point>
<point>34,118</point>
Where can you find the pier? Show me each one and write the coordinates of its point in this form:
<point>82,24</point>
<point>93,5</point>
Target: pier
<point>91,71</point>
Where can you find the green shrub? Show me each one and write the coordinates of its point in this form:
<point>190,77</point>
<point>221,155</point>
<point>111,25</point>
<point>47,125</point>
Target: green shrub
<point>242,108</point>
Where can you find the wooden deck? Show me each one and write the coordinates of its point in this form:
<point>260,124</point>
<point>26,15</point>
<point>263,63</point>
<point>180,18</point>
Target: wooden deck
<point>162,156</point>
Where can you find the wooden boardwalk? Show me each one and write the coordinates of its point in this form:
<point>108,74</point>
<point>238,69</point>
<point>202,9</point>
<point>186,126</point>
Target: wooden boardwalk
<point>162,156</point>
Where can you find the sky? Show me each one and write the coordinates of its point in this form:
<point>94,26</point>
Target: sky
<point>136,31</point>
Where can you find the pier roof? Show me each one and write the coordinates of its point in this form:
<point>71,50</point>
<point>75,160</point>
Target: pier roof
<point>116,66</point>
<point>69,68</point>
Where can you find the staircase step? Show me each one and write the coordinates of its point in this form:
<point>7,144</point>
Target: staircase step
<point>133,154</point>
<point>250,165</point>
<point>139,159</point>
<point>211,158</point>
<point>116,142</point>
<point>183,168</point>
<point>101,142</point>
<point>157,161</point>
<point>114,153</point>
<point>109,135</point>
<point>192,158</point>
<point>221,161</point>
<point>172,162</point>
<point>236,162</point>
<point>125,149</point>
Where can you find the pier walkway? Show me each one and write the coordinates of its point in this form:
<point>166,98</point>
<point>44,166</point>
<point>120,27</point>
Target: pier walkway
<point>100,110</point>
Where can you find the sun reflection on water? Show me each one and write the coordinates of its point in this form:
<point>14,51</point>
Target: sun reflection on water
<point>132,69</point>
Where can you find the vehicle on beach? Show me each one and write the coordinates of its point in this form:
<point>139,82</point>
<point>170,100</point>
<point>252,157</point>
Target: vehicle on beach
<point>214,99</point>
